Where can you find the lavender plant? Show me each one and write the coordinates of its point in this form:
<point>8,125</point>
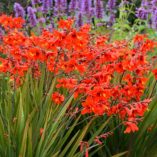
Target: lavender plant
<point>34,2</point>
<point>99,9</point>
<point>19,10</point>
<point>148,11</point>
<point>32,16</point>
<point>83,11</point>
<point>111,5</point>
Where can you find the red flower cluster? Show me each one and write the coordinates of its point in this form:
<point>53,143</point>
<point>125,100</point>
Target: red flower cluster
<point>57,98</point>
<point>9,22</point>
<point>108,78</point>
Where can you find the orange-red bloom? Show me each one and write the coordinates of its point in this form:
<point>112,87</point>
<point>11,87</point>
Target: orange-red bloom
<point>130,127</point>
<point>106,77</point>
<point>57,98</point>
<point>155,73</point>
<point>9,22</point>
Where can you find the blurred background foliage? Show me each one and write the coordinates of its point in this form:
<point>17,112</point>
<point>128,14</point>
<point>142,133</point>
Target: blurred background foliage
<point>6,6</point>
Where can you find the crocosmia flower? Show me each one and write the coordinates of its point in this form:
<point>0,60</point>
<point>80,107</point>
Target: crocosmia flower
<point>57,98</point>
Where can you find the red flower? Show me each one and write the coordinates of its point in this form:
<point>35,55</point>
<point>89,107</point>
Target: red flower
<point>84,145</point>
<point>131,127</point>
<point>66,83</point>
<point>108,78</point>
<point>155,73</point>
<point>57,98</point>
<point>9,22</point>
<point>65,24</point>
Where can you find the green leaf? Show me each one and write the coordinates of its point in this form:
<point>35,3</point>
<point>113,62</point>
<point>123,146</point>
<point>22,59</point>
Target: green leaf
<point>120,154</point>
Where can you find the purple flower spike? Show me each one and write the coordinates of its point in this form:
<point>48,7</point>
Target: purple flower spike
<point>34,2</point>
<point>80,5</point>
<point>1,33</point>
<point>39,9</point>
<point>99,9</point>
<point>154,20</point>
<point>154,3</point>
<point>143,3</point>
<point>32,17</point>
<point>111,4</point>
<point>50,3</point>
<point>60,7</point>
<point>64,4</point>
<point>112,19</point>
<point>50,27</point>
<point>58,3</point>
<point>73,5</point>
<point>61,4</point>
<point>41,20</point>
<point>47,5</point>
<point>79,20</point>
<point>147,3</point>
<point>92,12</point>
<point>142,13</point>
<point>86,6</point>
<point>19,11</point>
<point>90,15</point>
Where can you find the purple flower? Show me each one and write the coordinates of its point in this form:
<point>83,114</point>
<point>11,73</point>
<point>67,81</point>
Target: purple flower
<point>64,4</point>
<point>79,20</point>
<point>90,15</point>
<point>52,24</point>
<point>111,19</point>
<point>50,27</point>
<point>147,2</point>
<point>80,5</point>
<point>39,9</point>
<point>32,16</point>
<point>92,12</point>
<point>86,6</point>
<point>1,33</point>
<point>73,5</point>
<point>19,11</point>
<point>111,7</point>
<point>60,7</point>
<point>47,5</point>
<point>154,20</point>
<point>99,9</point>
<point>111,4</point>
<point>58,3</point>
<point>148,11</point>
<point>143,3</point>
<point>154,3</point>
<point>152,10</point>
<point>50,3</point>
<point>61,4</point>
<point>41,20</point>
<point>34,2</point>
<point>142,13</point>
